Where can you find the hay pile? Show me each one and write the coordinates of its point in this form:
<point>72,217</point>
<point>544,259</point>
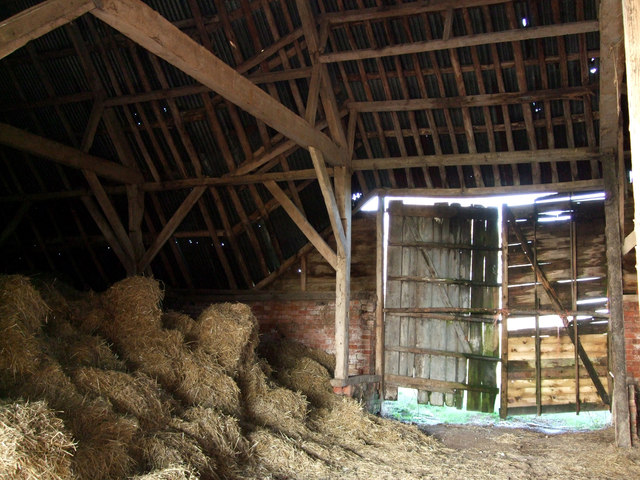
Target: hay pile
<point>33,443</point>
<point>142,394</point>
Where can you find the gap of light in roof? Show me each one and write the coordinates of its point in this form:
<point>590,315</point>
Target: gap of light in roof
<point>492,201</point>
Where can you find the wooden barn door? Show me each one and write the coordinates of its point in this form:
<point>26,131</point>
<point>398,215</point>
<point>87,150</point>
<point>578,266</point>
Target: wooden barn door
<point>440,304</point>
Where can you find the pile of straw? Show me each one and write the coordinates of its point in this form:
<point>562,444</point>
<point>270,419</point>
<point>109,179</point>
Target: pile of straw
<point>228,331</point>
<point>34,444</point>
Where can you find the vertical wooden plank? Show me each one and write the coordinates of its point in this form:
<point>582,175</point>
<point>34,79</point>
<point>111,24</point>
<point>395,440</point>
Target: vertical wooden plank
<point>536,302</point>
<point>614,275</point>
<point>574,299</point>
<point>474,399</point>
<point>491,343</point>
<point>379,354</point>
<point>504,327</point>
<point>438,328</point>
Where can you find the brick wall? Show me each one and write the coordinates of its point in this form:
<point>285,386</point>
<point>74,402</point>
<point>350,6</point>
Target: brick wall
<point>311,322</point>
<point>632,337</point>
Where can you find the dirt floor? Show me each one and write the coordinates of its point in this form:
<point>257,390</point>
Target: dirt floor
<point>525,454</point>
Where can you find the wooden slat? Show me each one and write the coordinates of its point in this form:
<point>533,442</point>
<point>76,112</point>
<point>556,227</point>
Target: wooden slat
<point>435,385</point>
<point>153,32</point>
<point>14,222</point>
<point>170,226</point>
<point>514,35</point>
<point>493,99</point>
<point>38,20</point>
<point>27,142</point>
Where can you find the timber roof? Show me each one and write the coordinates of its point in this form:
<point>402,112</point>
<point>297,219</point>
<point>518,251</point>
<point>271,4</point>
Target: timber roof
<point>439,97</point>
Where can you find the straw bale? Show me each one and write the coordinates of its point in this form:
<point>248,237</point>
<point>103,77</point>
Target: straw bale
<point>166,449</point>
<point>310,378</point>
<point>228,331</point>
<point>105,441</point>
<point>81,350</point>
<point>174,472</point>
<point>284,457</point>
<point>21,303</point>
<point>158,353</point>
<point>88,315</point>
<point>181,322</point>
<point>134,306</point>
<point>203,382</point>
<point>281,409</point>
<point>284,353</point>
<point>345,419</point>
<point>34,444</point>
<point>134,394</point>
<point>20,353</point>
<point>252,381</point>
<point>218,435</point>
<point>50,383</point>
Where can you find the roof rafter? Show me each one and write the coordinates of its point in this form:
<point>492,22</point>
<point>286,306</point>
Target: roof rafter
<point>153,32</point>
<point>28,142</point>
<point>17,31</point>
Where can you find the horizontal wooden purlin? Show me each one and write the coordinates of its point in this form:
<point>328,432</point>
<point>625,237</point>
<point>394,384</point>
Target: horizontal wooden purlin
<point>249,296</point>
<point>446,281</point>
<point>452,246</point>
<point>560,408</point>
<point>493,99</point>
<point>428,310</point>
<point>355,380</point>
<point>152,31</point>
<point>575,186</point>
<point>450,317</point>
<point>42,147</point>
<point>514,35</point>
<point>18,30</point>
<point>570,313</point>
<point>440,353</point>
<point>435,385</point>
<point>489,158</point>
<point>401,10</point>
<point>586,329</point>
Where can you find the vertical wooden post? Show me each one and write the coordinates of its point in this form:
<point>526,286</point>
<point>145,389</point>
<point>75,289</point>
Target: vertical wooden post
<point>504,350</point>
<point>614,274</point>
<point>342,187</point>
<point>303,273</point>
<point>536,303</point>
<point>574,300</point>
<point>380,293</point>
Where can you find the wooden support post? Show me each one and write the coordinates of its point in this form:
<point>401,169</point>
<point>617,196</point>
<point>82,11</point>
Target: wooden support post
<point>342,185</point>
<point>303,273</point>
<point>504,343</point>
<point>620,407</point>
<point>380,293</point>
<point>574,299</point>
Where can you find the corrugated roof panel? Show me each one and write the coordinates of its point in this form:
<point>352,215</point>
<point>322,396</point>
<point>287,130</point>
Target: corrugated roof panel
<point>66,75</point>
<point>243,37</point>
<point>29,81</point>
<point>208,152</point>
<point>172,10</point>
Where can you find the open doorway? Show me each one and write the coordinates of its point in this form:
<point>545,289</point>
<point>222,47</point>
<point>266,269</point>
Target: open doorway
<point>499,307</point>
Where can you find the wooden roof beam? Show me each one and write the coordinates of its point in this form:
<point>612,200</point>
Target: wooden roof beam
<point>17,31</point>
<point>28,142</point>
<point>155,33</point>
<point>415,8</point>
<point>513,35</point>
<point>494,99</point>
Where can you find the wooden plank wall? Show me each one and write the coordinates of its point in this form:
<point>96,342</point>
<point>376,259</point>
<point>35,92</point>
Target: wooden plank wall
<point>427,269</point>
<point>557,362</point>
<point>320,277</point>
<point>552,242</point>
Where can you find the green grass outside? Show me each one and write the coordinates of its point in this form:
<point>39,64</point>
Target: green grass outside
<point>407,409</point>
